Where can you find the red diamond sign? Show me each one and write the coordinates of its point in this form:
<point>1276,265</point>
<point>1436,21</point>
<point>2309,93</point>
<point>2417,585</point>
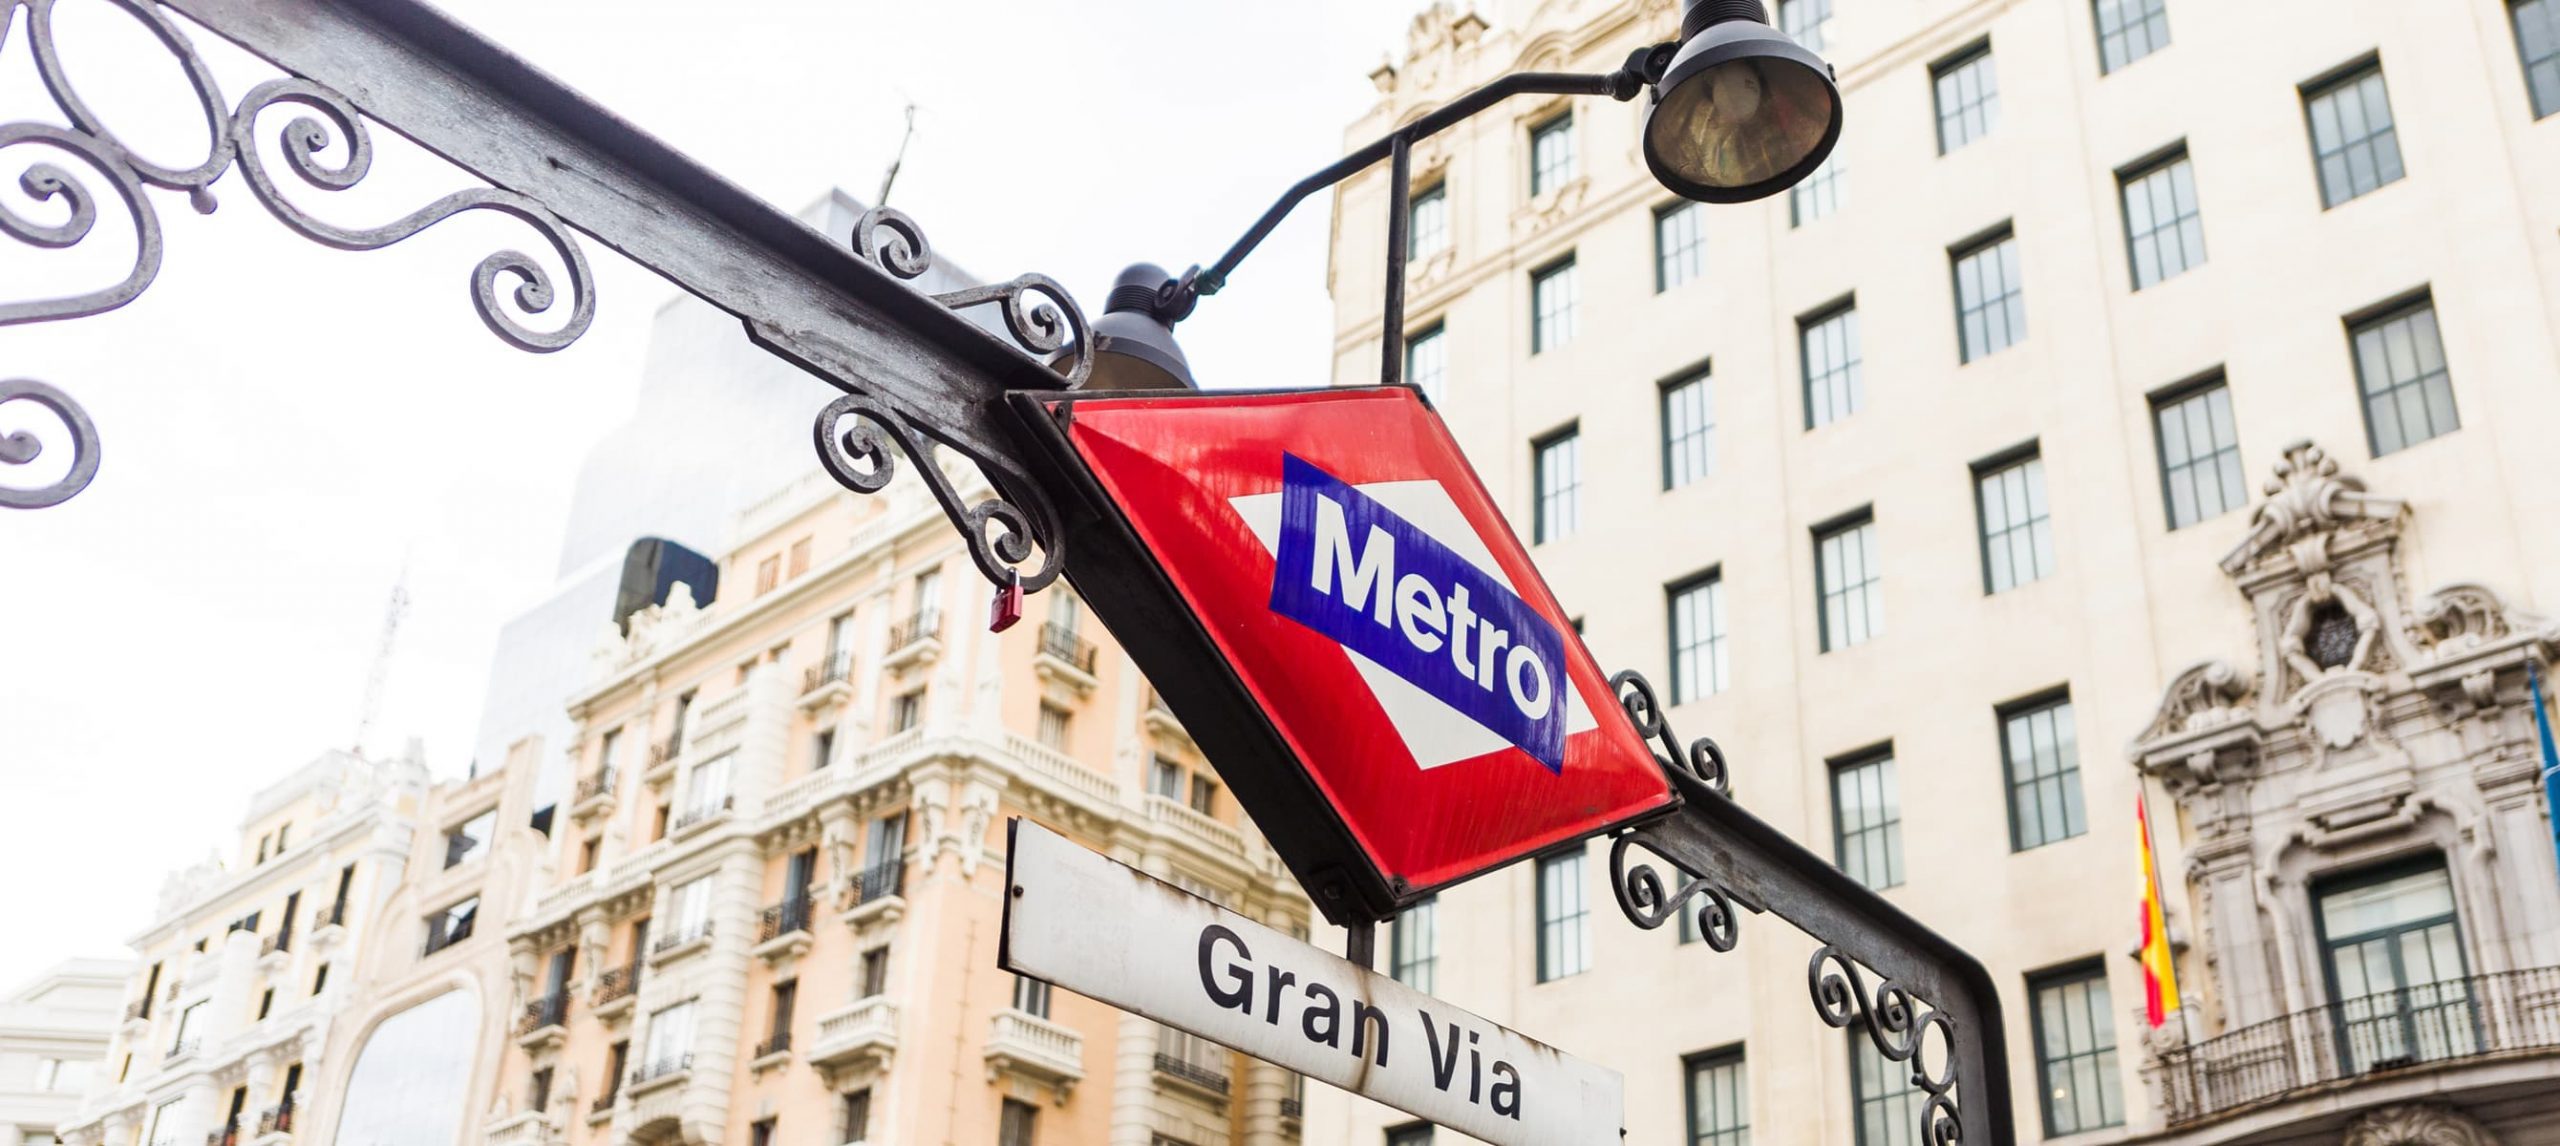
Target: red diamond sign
<point>1350,568</point>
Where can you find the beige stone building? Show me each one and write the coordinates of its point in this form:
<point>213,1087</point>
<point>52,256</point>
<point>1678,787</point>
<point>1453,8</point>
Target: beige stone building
<point>771,912</point>
<point>53,1039</point>
<point>1965,493</point>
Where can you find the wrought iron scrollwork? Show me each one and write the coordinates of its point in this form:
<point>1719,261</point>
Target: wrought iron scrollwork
<point>1898,1027</point>
<point>1700,758</point>
<point>1042,317</point>
<point>1642,899</point>
<point>22,448</point>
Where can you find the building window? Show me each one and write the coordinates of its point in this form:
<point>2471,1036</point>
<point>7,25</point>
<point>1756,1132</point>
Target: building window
<point>2161,228</point>
<point>906,711</point>
<point>2352,137</point>
<point>1053,726</point>
<point>1564,917</point>
<point>786,999</point>
<point>1697,637</point>
<point>1426,362</point>
<point>1553,296</point>
<point>857,1118</point>
<point>2397,982</point>
<point>768,574</point>
<point>670,1040</point>
<point>266,1004</point>
<point>1968,97</point>
<point>822,748</point>
<point>1886,1101</point>
<point>1551,154</point>
<point>1204,794</point>
<point>1719,1100</point>
<point>319,978</point>
<point>1688,429</point>
<point>2041,746</point>
<point>1018,1124</point>
<point>707,790</point>
<point>1991,303</point>
<point>1866,815</point>
<point>2129,30</point>
<point>1409,1134</point>
<point>1852,599</point>
<point>2199,454</point>
<point>1427,222</point>
<point>1559,480</point>
<point>799,562</point>
<point>2075,1031</point>
<point>2537,25</point>
<point>2017,526</point>
<point>451,925</point>
<point>468,838</point>
<point>1821,193</point>
<point>1031,996</point>
<point>2408,394</point>
<point>1413,945</point>
<point>1834,379</point>
<point>1679,244</point>
<point>1164,778</point>
<point>875,972</point>
<point>539,1094</point>
<point>760,1133</point>
<point>1803,21</point>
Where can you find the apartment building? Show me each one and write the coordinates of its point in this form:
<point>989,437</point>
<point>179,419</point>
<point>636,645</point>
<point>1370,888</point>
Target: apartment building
<point>53,1038</point>
<point>771,911</point>
<point>2148,397</point>
<point>248,962</point>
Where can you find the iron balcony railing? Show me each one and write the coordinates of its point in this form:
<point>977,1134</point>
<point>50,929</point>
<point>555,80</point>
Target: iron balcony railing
<point>138,1009</point>
<point>618,982</point>
<point>548,1011</point>
<point>181,1048</point>
<point>837,667</point>
<point>780,1043</point>
<point>333,915</point>
<point>1292,1108</point>
<point>225,1136</point>
<point>1192,1072</point>
<point>280,941</point>
<point>680,935</point>
<point>661,1068</point>
<point>2425,1025</point>
<point>599,784</point>
<point>1062,642</point>
<point>699,815</point>
<point>881,881</point>
<point>924,624</point>
<point>276,1120</point>
<point>783,918</point>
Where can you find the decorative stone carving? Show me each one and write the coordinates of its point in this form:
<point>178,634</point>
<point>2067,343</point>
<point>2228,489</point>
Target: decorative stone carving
<point>2207,695</point>
<point>2307,499</point>
<point>2329,629</point>
<point>2417,1124</point>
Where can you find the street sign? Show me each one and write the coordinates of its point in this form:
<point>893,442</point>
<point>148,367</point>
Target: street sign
<point>1350,568</point>
<point>1100,928</point>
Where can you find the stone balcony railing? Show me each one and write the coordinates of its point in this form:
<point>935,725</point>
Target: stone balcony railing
<point>1211,834</point>
<point>866,1030</point>
<point>521,1130</point>
<point>2434,1025</point>
<point>1051,764</point>
<point>1034,1046</point>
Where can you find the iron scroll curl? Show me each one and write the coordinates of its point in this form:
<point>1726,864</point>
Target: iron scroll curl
<point>21,448</point>
<point>1897,1026</point>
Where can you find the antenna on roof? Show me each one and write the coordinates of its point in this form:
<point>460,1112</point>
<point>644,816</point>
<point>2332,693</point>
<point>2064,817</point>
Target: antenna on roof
<point>891,178</point>
<point>391,614</point>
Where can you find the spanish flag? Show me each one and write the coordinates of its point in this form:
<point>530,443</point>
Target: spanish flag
<point>2159,971</point>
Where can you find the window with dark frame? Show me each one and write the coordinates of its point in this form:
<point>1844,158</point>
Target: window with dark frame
<point>1559,485</point>
<point>2408,393</point>
<point>1426,229</point>
<point>1551,159</point>
<point>1834,376</point>
<point>875,972</point>
<point>2129,30</point>
<point>1820,193</point>
<point>856,1116</point>
<point>1554,300</point>
<point>786,998</point>
<point>1697,636</point>
<point>1991,301</point>
<point>2017,523</point>
<point>1719,1098</point>
<point>1968,97</point>
<point>1803,21</point>
<point>1688,429</point>
<point>1885,1100</point>
<point>760,1132</point>
<point>1866,818</point>
<point>2040,749</point>
<point>1018,1124</point>
<point>2537,29</point>
<point>1426,362</point>
<point>1850,572</point>
<point>1564,916</point>
<point>1413,945</point>
<point>1409,1134</point>
<point>1031,996</point>
<point>2391,945</point>
<point>1679,244</point>
<point>2075,1041</point>
<point>2163,233</point>
<point>2354,144</point>
<point>2200,474</point>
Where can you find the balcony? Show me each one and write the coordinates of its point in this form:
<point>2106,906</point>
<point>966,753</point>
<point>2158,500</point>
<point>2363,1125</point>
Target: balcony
<point>1160,718</point>
<point>275,951</point>
<point>276,1120</point>
<point>2415,1028</point>
<point>1196,1075</point>
<point>916,640</point>
<point>680,941</point>
<point>615,989</point>
<point>877,892</point>
<point>1205,831</point>
<point>594,796</point>
<point>524,1129</point>
<point>829,681</point>
<point>702,817</point>
<point>227,1136</point>
<point>772,1052</point>
<point>544,1022</point>
<point>866,1032</point>
<point>1037,1049</point>
<point>659,1073</point>
<point>329,923</point>
<point>782,930</point>
<point>1065,658</point>
<point>662,761</point>
<point>179,1050</point>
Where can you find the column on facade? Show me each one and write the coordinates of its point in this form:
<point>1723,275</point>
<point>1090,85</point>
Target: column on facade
<point>261,1081</point>
<point>871,635</point>
<point>720,987</point>
<point>764,743</point>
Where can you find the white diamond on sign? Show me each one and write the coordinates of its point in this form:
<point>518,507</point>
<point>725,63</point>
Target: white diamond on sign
<point>1101,928</point>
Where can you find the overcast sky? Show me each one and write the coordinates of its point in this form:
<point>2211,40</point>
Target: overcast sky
<point>288,427</point>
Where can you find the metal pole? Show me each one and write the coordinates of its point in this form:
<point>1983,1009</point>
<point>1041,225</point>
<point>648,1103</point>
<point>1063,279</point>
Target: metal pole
<point>1361,944</point>
<point>1399,211</point>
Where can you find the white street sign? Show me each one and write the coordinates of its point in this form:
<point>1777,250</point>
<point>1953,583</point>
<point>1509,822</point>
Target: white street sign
<point>1104,929</point>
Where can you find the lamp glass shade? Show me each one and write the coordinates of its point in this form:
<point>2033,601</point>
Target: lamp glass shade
<point>1742,113</point>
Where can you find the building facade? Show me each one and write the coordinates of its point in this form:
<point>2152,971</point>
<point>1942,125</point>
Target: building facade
<point>2146,399</point>
<point>53,1036</point>
<point>772,912</point>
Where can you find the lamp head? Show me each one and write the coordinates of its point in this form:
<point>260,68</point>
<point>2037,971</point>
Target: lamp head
<point>1741,111</point>
<point>1133,346</point>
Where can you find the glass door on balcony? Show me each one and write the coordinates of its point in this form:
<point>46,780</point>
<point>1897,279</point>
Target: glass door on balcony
<point>2396,971</point>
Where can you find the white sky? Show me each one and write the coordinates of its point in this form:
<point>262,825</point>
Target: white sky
<point>286,426</point>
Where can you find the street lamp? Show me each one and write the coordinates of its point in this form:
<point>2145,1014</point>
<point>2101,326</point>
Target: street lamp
<point>1739,112</point>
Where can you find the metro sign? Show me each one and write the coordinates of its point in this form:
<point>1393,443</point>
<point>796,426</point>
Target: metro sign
<point>1350,569</point>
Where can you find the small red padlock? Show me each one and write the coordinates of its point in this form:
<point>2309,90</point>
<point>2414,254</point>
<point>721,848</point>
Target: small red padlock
<point>1007,607</point>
